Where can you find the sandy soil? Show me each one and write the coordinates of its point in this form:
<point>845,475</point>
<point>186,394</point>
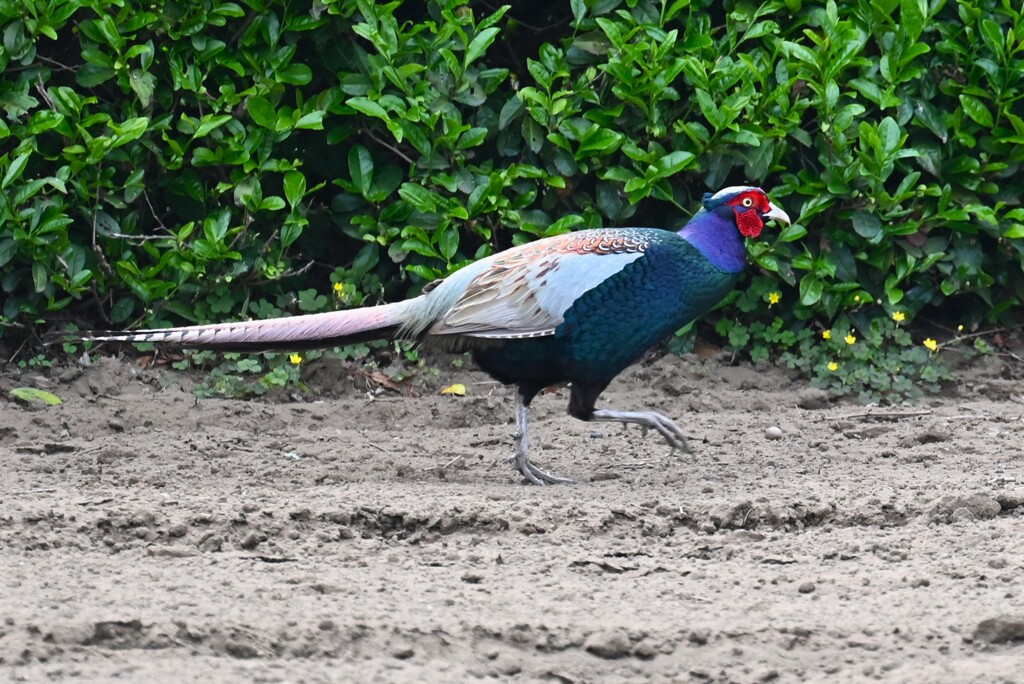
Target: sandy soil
<point>146,535</point>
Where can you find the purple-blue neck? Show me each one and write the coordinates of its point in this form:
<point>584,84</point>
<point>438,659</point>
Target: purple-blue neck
<point>718,240</point>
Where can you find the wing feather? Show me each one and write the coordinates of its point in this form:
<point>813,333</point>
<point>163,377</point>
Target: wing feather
<point>525,292</point>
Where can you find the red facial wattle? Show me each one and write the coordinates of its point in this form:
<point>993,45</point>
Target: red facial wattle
<point>749,223</point>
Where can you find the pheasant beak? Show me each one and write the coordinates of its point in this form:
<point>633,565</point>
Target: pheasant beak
<point>778,214</point>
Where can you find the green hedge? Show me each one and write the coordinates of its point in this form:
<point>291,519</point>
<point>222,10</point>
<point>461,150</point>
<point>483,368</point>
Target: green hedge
<point>202,159</point>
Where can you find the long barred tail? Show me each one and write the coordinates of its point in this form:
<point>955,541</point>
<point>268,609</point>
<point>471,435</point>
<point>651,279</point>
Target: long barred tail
<point>295,333</point>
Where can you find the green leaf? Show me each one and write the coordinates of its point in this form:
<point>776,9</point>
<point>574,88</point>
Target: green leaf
<point>912,17</point>
<point>294,187</point>
<point>312,121</point>
<point>295,74</point>
<point>977,110</point>
<point>419,197</point>
<point>144,85</point>
<point>800,52</point>
<point>599,141</point>
<point>8,248</point>
<point>479,44</point>
<point>673,163</point>
<point>15,170</point>
<point>272,203</point>
<point>792,233</point>
<point>449,243</point>
<point>510,111</point>
<point>709,109</point>
<point>472,138</point>
<point>40,276</point>
<point>90,75</point>
<point>29,395</point>
<point>811,289</point>
<point>368,107</point>
<point>867,226</point>
<point>262,112</point>
<point>889,133</point>
<point>360,168</point>
<point>209,123</point>
<point>579,10</point>
<point>366,259</point>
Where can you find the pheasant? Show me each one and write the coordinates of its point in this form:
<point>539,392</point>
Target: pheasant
<point>575,308</point>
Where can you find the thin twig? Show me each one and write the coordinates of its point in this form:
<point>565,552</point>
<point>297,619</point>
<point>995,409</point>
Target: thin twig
<point>367,132</point>
<point>140,238</point>
<point>95,246</point>
<point>46,490</point>
<point>448,463</point>
<point>880,414</point>
<point>632,464</point>
<point>152,210</point>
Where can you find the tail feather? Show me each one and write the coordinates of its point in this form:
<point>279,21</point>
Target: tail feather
<point>295,333</point>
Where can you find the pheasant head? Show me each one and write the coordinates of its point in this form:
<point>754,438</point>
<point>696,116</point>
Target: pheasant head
<point>749,207</point>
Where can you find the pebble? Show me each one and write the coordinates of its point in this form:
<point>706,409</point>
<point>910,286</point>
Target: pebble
<point>1000,630</point>
<point>773,433</point>
<point>252,540</point>
<point>609,644</point>
<point>172,551</point>
<point>806,588</point>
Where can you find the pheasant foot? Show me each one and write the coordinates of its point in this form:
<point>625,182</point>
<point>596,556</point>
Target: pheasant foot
<point>538,476</point>
<point>663,425</point>
<point>521,458</point>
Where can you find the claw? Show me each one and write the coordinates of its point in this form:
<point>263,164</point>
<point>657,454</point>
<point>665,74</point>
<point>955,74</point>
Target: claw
<point>670,432</point>
<point>536,475</point>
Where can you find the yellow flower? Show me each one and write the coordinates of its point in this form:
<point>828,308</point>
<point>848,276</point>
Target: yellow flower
<point>773,298</point>
<point>833,366</point>
<point>931,344</point>
<point>898,316</point>
<point>295,359</point>
<point>826,334</point>
<point>850,338</point>
<point>856,298</point>
<point>960,328</point>
<point>338,287</point>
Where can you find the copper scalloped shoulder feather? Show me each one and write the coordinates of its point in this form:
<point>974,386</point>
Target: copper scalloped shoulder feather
<point>525,291</point>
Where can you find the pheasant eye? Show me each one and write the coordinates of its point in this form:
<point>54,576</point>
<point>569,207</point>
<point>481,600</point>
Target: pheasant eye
<point>747,202</point>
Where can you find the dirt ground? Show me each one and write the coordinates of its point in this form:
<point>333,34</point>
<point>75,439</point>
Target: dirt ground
<point>356,535</point>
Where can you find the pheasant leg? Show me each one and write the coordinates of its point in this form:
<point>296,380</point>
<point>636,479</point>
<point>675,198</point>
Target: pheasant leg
<point>672,433</point>
<point>522,460</point>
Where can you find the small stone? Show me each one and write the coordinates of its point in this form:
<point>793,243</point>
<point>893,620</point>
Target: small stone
<point>327,626</point>
<point>179,530</point>
<point>920,582</point>
<point>962,514</point>
<point>644,651</point>
<point>1000,630</point>
<point>698,636</point>
<point>608,644</point>
<point>806,588</point>
<point>240,650</point>
<point>403,653</point>
<point>773,433</point>
<point>251,541</point>
<point>211,543</point>
<point>812,399</point>
<point>171,551</point>
<point>340,517</point>
<point>472,578</point>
